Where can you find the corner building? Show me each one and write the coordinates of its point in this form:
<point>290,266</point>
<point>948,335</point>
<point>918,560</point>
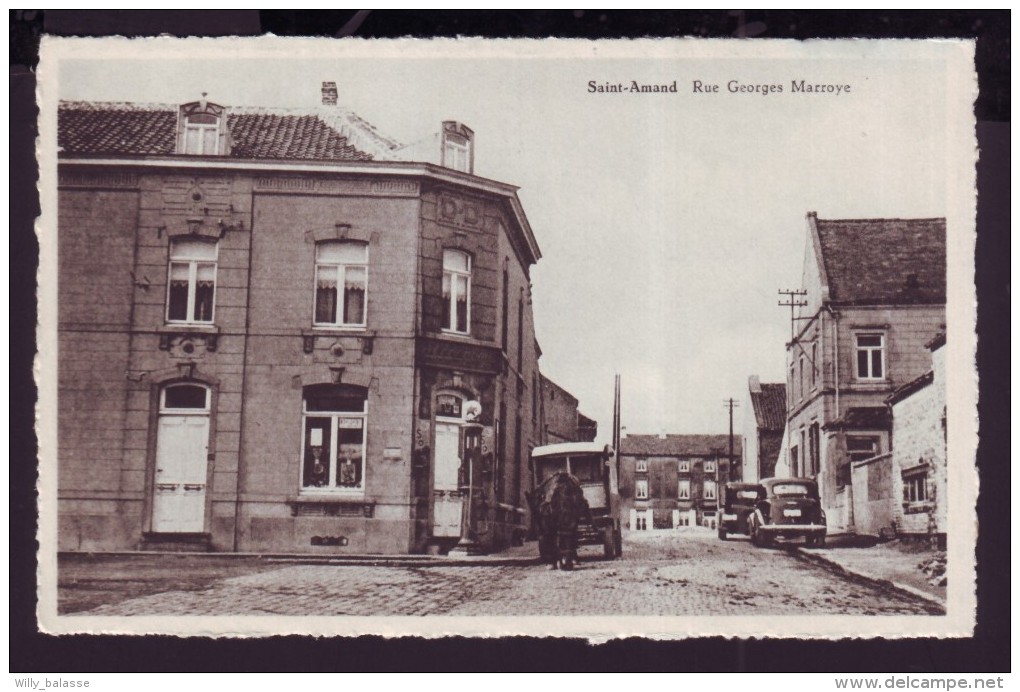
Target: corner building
<point>274,335</point>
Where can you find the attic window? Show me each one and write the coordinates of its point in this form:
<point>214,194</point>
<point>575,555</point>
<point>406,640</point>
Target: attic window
<point>458,147</point>
<point>202,129</point>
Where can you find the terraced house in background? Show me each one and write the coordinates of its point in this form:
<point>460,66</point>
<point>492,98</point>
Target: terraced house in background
<point>667,481</point>
<point>875,297</point>
<point>281,331</point>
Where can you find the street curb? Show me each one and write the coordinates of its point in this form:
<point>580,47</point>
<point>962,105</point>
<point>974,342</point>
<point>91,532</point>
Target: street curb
<point>321,559</point>
<point>887,584</point>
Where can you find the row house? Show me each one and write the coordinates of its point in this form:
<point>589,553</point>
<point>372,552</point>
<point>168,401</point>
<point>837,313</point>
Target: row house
<point>764,406</point>
<point>875,295</point>
<point>277,334</point>
<point>561,421</point>
<point>667,481</point>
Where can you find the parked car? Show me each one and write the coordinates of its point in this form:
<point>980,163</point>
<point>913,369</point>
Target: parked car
<point>737,503</point>
<point>788,508</point>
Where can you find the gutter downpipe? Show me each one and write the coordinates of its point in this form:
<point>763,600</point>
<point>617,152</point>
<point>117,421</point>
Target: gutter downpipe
<point>835,359</point>
<point>835,342</point>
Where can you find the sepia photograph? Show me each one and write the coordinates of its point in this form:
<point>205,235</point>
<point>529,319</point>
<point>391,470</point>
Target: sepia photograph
<point>655,338</point>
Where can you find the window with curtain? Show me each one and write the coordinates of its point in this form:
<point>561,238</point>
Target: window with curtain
<point>341,284</point>
<point>192,281</point>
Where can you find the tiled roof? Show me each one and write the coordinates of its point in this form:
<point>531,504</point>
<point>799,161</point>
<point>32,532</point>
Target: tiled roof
<point>916,384</point>
<point>884,261</point>
<point>678,445</point>
<point>862,418</point>
<point>325,133</point>
<point>770,406</point>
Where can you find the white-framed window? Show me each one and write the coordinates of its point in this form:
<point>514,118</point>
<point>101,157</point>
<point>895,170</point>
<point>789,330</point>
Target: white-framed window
<point>335,418</point>
<point>641,465</point>
<point>201,134</point>
<point>709,490</point>
<point>341,284</point>
<point>191,285</point>
<point>915,486</point>
<point>641,489</point>
<point>457,152</point>
<point>683,489</point>
<point>456,291</point>
<point>870,356</point>
<point>684,466</point>
<point>709,467</point>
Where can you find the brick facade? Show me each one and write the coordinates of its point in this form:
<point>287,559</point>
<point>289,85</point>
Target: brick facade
<point>561,421</point>
<point>261,353</point>
<point>669,467</point>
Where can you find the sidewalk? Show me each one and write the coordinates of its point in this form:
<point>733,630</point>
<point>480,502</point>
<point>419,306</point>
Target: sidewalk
<point>893,564</point>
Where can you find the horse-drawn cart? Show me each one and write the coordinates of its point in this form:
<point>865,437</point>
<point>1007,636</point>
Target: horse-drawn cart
<point>562,524</point>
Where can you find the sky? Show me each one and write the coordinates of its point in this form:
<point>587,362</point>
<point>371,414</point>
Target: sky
<point>667,221</point>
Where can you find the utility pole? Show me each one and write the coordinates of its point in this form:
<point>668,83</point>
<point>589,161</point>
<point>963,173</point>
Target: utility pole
<point>731,404</point>
<point>793,302</point>
<point>616,416</point>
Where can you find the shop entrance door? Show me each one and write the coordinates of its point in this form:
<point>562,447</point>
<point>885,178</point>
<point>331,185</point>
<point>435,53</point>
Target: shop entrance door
<point>447,503</point>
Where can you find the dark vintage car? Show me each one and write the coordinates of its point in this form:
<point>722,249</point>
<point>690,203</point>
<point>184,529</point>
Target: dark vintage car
<point>788,508</point>
<point>735,507</point>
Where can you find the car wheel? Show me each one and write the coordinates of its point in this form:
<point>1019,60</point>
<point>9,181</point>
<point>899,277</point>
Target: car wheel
<point>722,532</point>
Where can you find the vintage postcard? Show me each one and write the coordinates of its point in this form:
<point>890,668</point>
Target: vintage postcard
<point>657,338</point>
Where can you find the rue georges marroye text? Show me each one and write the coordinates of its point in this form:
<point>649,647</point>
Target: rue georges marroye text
<point>731,86</point>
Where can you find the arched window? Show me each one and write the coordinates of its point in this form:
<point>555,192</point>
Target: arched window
<point>335,421</point>
<point>337,264</point>
<point>456,291</point>
<point>202,129</point>
<point>192,281</point>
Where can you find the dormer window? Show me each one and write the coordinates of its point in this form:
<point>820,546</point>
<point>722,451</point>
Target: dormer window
<point>458,147</point>
<point>202,130</point>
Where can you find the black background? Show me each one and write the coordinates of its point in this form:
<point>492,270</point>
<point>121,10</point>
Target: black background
<point>987,651</point>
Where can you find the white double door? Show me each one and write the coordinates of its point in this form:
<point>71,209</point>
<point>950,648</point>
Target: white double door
<point>178,498</point>
<point>447,503</point>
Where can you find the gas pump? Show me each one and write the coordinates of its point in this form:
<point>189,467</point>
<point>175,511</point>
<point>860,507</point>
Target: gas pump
<point>470,483</point>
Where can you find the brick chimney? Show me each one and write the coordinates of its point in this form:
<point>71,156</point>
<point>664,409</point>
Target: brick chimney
<point>330,95</point>
<point>754,384</point>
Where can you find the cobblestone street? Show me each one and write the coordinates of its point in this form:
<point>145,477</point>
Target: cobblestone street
<point>683,572</point>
